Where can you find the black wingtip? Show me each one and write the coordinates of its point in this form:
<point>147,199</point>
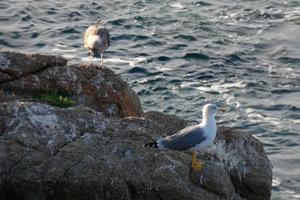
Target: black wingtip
<point>151,144</point>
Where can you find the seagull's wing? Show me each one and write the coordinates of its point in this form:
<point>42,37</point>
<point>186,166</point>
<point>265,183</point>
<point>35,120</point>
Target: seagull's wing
<point>108,38</point>
<point>104,35</point>
<point>184,139</point>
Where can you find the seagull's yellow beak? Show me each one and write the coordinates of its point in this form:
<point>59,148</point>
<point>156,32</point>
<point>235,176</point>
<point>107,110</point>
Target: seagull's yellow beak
<point>222,109</point>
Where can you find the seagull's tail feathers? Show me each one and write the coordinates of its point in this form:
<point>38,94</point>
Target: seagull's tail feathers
<point>151,144</point>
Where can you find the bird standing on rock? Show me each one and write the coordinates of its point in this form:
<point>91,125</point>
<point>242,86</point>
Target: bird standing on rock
<point>96,38</point>
<point>195,138</point>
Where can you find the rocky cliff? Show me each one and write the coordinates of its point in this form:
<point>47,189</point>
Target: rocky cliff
<point>92,148</point>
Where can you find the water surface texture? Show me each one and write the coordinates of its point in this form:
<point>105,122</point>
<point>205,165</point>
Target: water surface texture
<point>179,55</point>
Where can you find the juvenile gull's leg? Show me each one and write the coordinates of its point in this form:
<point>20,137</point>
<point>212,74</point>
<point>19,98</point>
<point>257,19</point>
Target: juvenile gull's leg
<point>91,57</point>
<point>101,60</point>
<point>196,164</point>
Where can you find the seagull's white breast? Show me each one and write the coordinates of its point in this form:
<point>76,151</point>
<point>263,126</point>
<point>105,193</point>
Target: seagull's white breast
<point>210,131</point>
<point>92,41</point>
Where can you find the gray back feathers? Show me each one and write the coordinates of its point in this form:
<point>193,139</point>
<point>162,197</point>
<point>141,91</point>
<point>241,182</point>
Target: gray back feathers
<point>184,139</point>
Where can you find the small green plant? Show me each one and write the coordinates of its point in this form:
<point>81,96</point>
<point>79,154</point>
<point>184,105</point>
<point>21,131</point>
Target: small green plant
<point>55,98</point>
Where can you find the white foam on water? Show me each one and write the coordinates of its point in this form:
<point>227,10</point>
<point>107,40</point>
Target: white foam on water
<point>255,117</point>
<point>240,84</point>
<point>189,84</point>
<point>64,50</point>
<point>223,88</point>
<point>69,56</point>
<point>288,191</point>
<point>297,196</point>
<point>231,101</point>
<point>162,69</point>
<point>177,5</point>
<point>276,182</point>
<point>261,30</point>
<point>295,121</point>
<point>144,9</point>
<point>61,45</point>
<point>130,61</point>
<point>205,89</point>
<point>292,15</point>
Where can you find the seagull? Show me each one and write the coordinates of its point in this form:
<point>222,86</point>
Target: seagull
<point>96,38</point>
<point>193,138</point>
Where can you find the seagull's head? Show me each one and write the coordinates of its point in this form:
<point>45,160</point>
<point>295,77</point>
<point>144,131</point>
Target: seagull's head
<point>210,110</point>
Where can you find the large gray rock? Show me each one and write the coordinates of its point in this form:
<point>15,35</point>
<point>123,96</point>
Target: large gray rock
<point>14,65</point>
<point>100,89</point>
<point>94,150</point>
<point>77,153</point>
<point>246,162</point>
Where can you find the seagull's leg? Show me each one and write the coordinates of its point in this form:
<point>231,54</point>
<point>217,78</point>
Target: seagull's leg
<point>91,57</point>
<point>196,164</point>
<point>101,56</point>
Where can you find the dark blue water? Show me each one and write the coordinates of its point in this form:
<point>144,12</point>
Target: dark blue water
<point>179,55</point>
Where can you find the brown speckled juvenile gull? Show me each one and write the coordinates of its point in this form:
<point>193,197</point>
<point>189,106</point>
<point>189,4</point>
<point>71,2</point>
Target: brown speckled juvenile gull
<point>96,38</point>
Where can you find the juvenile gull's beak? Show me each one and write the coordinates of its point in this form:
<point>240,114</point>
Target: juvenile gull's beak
<point>222,109</point>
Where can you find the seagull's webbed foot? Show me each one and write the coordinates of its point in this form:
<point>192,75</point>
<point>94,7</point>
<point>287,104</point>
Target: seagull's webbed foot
<point>100,66</point>
<point>196,164</point>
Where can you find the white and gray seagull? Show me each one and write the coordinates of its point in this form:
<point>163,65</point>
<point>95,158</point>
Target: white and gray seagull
<point>193,138</point>
<point>96,39</point>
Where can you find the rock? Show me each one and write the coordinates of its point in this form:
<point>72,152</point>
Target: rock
<point>48,152</point>
<point>214,178</point>
<point>14,65</point>
<point>246,163</point>
<point>99,89</point>
<point>94,149</point>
